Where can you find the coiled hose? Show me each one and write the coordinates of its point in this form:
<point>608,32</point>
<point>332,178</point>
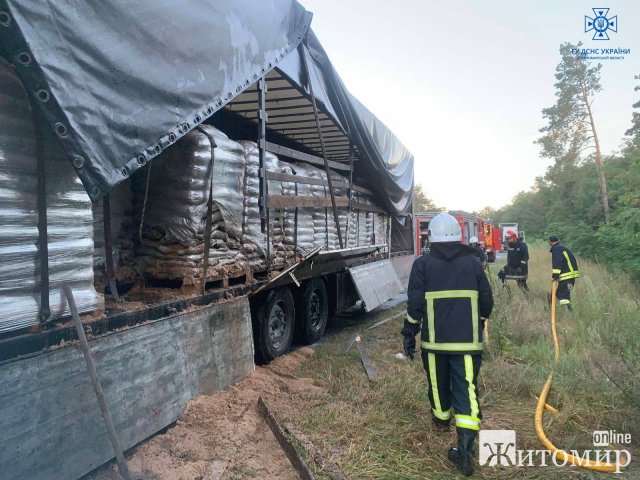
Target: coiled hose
<point>542,404</point>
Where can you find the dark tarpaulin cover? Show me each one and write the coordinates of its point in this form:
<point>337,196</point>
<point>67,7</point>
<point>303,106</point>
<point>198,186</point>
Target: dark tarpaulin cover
<point>121,80</point>
<point>124,79</point>
<point>387,163</point>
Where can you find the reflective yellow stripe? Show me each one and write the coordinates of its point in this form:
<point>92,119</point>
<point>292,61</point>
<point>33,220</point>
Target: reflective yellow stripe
<point>557,270</point>
<point>472,295</point>
<point>468,421</point>
<point>442,415</point>
<point>569,266</point>
<point>468,375</point>
<point>564,301</point>
<point>474,319</point>
<point>452,294</point>
<point>452,347</point>
<point>569,275</point>
<point>430,320</point>
<point>411,320</point>
<point>433,380</point>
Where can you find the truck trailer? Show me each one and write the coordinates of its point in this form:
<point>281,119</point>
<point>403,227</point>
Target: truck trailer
<point>207,188</point>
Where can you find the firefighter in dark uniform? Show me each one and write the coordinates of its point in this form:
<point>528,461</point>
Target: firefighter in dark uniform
<point>479,251</point>
<point>564,270</point>
<point>450,296</point>
<point>517,260</point>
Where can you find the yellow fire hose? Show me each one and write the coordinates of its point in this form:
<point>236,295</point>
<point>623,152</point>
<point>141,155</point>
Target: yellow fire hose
<point>541,405</point>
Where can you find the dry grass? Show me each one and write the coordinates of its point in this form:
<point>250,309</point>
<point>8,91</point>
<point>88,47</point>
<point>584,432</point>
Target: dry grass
<point>383,430</point>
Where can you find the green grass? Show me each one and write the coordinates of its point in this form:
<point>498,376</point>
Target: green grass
<point>383,430</point>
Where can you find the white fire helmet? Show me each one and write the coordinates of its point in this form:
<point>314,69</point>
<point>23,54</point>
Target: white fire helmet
<point>444,228</point>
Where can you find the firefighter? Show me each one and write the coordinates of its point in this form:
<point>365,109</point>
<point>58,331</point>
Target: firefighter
<point>564,270</point>
<point>517,260</point>
<point>450,296</point>
<point>479,251</point>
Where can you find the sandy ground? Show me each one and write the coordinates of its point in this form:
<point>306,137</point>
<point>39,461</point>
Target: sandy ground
<point>222,436</point>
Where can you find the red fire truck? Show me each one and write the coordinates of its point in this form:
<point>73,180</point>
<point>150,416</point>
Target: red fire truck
<point>471,225</point>
<point>492,241</point>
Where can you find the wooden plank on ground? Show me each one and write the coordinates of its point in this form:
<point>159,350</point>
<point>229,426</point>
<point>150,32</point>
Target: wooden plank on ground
<point>350,342</point>
<point>292,454</point>
<point>366,362</point>
<point>331,469</point>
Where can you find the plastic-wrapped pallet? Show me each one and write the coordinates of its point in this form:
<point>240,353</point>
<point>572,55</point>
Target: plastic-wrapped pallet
<point>364,236</point>
<point>367,219</point>
<point>340,193</point>
<point>254,239</point>
<point>70,224</point>
<point>320,214</point>
<point>353,227</point>
<point>281,248</point>
<point>305,231</point>
<point>174,218</point>
<point>380,228</point>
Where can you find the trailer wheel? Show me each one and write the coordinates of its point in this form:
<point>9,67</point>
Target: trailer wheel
<point>312,311</point>
<point>273,324</point>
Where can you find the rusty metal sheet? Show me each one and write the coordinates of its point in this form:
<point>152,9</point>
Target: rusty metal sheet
<point>376,283</point>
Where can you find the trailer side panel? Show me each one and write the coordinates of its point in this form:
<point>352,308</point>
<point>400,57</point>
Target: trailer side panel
<point>50,423</point>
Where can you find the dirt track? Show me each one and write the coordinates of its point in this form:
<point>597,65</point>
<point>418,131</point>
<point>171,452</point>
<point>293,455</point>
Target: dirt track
<point>222,436</point>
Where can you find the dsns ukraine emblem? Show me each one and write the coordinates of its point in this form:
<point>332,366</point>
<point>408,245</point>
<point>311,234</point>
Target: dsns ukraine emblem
<point>600,24</point>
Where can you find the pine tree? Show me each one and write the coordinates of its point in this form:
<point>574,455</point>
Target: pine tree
<point>571,129</point>
<point>634,131</point>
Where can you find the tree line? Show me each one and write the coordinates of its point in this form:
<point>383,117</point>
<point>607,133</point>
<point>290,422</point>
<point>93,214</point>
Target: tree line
<point>590,201</point>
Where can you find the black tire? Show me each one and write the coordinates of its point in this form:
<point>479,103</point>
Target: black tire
<point>491,257</point>
<point>273,324</point>
<point>312,311</point>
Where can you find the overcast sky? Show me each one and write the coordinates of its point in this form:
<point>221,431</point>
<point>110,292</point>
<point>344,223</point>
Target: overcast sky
<point>462,83</point>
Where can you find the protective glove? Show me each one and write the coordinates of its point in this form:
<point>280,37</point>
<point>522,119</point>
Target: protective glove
<point>555,276</point>
<point>409,343</point>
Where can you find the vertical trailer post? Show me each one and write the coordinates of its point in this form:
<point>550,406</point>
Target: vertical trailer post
<point>389,236</point>
<point>324,150</point>
<point>350,209</point>
<point>43,237</point>
<point>295,229</point>
<point>326,220</point>
<point>108,247</point>
<point>262,150</point>
<point>207,226</point>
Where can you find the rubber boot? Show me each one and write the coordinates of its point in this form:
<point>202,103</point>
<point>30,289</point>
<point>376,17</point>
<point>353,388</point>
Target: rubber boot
<point>462,456</point>
<point>441,425</point>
